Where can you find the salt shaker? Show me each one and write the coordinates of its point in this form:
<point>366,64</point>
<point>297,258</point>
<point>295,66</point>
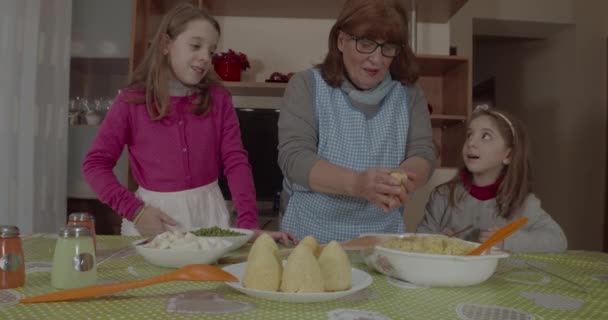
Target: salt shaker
<point>12,263</point>
<point>74,259</point>
<point>86,220</point>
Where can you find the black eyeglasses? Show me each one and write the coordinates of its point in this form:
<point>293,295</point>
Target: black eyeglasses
<point>364,45</point>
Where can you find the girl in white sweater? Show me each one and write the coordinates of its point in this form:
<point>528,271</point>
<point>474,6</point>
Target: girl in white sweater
<point>493,188</point>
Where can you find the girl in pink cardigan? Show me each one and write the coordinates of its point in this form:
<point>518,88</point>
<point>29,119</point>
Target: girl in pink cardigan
<point>181,130</point>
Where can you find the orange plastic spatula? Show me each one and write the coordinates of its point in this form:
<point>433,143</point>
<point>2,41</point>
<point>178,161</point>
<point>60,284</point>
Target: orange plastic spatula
<point>498,236</point>
<point>193,272</point>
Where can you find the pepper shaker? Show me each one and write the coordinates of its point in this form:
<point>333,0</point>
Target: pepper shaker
<point>12,263</point>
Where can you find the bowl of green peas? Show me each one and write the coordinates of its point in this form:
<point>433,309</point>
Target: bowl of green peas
<point>237,236</point>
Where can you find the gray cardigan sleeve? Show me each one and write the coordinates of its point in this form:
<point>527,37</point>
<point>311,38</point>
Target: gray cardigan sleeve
<point>420,136</point>
<point>434,220</point>
<point>540,234</point>
<point>298,137</point>
<point>297,130</point>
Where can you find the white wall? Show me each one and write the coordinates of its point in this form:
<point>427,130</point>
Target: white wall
<point>290,45</point>
<point>557,87</point>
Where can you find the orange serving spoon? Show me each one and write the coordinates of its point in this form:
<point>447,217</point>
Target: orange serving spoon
<point>193,272</point>
<point>498,236</point>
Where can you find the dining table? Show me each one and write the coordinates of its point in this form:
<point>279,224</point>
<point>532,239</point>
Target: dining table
<point>569,285</point>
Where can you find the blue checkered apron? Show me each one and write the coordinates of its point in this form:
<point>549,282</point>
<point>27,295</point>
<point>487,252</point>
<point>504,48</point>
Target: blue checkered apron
<point>349,139</point>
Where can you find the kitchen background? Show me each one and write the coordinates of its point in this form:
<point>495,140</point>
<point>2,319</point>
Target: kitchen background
<point>545,61</point>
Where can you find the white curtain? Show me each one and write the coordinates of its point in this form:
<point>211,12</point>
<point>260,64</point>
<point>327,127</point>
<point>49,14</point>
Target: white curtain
<point>34,87</point>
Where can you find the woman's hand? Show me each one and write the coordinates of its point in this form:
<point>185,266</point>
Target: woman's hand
<point>385,191</point>
<point>407,182</point>
<point>152,222</point>
<point>378,187</point>
<point>284,237</point>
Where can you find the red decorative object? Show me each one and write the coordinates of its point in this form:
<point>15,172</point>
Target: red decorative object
<point>278,77</point>
<point>228,65</point>
<point>228,70</point>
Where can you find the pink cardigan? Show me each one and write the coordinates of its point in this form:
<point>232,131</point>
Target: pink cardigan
<point>180,152</point>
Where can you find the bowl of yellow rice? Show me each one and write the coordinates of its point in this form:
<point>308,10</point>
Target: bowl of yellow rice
<point>431,260</point>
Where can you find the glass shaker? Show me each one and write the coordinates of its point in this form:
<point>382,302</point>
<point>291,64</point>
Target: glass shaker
<point>12,263</point>
<point>74,259</point>
<point>86,220</point>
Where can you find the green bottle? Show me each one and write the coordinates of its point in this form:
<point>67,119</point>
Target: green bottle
<point>74,259</point>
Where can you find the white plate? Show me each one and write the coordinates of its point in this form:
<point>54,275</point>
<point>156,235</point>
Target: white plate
<point>361,280</point>
<point>237,241</point>
<point>175,258</point>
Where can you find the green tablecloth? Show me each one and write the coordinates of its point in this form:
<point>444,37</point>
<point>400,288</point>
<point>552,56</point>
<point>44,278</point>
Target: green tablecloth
<point>516,291</point>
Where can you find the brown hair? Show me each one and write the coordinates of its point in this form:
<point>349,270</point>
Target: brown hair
<point>153,73</point>
<point>373,19</point>
<point>516,181</point>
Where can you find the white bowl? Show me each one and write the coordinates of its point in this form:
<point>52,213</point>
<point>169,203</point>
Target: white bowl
<point>433,270</point>
<point>360,281</point>
<point>237,241</point>
<point>177,258</point>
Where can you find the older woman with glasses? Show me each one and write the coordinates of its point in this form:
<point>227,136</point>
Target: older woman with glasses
<point>349,123</point>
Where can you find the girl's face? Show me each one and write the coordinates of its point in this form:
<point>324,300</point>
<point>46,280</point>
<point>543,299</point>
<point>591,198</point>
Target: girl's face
<point>191,51</point>
<point>485,152</point>
<point>365,70</point>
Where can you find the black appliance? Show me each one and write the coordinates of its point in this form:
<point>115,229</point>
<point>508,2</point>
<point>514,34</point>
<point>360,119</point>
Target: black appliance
<point>259,134</point>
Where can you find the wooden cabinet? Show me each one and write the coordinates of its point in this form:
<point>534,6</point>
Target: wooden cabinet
<point>438,11</point>
<point>446,80</point>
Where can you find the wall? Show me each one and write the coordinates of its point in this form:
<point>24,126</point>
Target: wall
<point>557,86</point>
<point>588,119</point>
<point>461,24</point>
<point>291,45</point>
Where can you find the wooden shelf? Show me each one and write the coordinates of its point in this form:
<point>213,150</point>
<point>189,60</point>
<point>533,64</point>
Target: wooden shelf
<point>438,65</point>
<point>443,120</point>
<point>436,11</point>
<point>266,89</point>
<point>430,66</point>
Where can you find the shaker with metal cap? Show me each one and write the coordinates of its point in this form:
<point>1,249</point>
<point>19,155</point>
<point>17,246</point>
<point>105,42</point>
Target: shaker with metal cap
<point>74,259</point>
<point>86,220</point>
<point>12,263</point>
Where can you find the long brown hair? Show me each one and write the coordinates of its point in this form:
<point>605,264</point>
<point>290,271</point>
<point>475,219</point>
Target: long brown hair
<point>516,181</point>
<point>153,73</point>
<point>373,19</point>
